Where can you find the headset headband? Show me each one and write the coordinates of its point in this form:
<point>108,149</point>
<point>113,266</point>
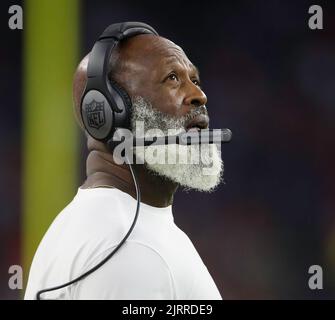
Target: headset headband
<point>99,56</point>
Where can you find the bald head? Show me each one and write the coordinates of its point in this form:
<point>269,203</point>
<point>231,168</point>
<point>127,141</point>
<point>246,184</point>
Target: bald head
<point>151,67</point>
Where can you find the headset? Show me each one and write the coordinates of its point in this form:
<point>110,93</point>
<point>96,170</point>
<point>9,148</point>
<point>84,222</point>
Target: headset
<point>106,107</point>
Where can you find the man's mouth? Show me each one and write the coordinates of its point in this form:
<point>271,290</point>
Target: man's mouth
<point>197,123</point>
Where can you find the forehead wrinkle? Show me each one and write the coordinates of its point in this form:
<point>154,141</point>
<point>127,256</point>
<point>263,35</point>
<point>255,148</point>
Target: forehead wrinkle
<point>144,53</point>
<point>172,60</point>
<point>154,48</point>
<point>174,53</point>
<point>167,48</point>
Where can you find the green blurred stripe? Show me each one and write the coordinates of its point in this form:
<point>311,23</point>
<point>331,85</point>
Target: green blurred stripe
<point>50,144</point>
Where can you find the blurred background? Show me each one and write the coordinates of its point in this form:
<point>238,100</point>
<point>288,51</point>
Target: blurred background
<point>267,76</point>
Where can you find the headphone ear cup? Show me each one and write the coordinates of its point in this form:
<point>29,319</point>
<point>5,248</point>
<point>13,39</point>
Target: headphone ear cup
<point>97,115</point>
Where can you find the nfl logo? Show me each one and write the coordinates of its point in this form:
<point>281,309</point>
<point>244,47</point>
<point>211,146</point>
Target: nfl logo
<point>95,112</point>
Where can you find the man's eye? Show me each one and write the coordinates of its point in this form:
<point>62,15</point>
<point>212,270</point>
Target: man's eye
<point>196,82</point>
<point>173,77</point>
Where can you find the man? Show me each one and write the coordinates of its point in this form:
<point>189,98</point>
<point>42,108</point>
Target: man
<point>158,261</point>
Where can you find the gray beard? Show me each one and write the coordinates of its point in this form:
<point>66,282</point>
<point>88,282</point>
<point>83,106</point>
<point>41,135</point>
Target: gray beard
<point>203,173</point>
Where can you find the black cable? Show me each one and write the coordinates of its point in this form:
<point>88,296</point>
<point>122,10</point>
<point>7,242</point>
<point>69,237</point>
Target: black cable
<point>138,197</point>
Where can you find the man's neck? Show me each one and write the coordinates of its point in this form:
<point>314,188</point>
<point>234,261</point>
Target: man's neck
<point>102,171</point>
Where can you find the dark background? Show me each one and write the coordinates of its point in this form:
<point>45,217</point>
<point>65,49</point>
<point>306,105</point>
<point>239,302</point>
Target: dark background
<point>270,79</point>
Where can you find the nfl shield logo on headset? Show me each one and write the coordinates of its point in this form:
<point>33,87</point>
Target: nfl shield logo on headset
<point>95,112</point>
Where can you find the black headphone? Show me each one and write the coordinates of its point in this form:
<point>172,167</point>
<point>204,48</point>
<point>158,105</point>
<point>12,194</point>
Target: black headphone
<point>105,105</point>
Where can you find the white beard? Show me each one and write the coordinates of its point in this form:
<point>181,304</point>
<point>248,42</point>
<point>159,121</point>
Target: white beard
<point>198,167</point>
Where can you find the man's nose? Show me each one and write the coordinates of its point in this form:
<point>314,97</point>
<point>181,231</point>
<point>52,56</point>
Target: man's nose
<point>195,96</point>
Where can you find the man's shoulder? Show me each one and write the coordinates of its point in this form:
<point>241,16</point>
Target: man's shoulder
<point>96,208</point>
<point>87,225</point>
<point>137,271</point>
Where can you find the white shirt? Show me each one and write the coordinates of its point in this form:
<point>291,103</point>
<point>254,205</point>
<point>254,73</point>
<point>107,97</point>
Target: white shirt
<point>158,261</point>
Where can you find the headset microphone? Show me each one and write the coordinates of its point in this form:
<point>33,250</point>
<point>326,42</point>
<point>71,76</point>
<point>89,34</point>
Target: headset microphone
<point>204,136</point>
<point>191,137</point>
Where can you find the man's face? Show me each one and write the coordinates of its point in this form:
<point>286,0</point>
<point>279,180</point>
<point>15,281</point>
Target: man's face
<point>165,88</point>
